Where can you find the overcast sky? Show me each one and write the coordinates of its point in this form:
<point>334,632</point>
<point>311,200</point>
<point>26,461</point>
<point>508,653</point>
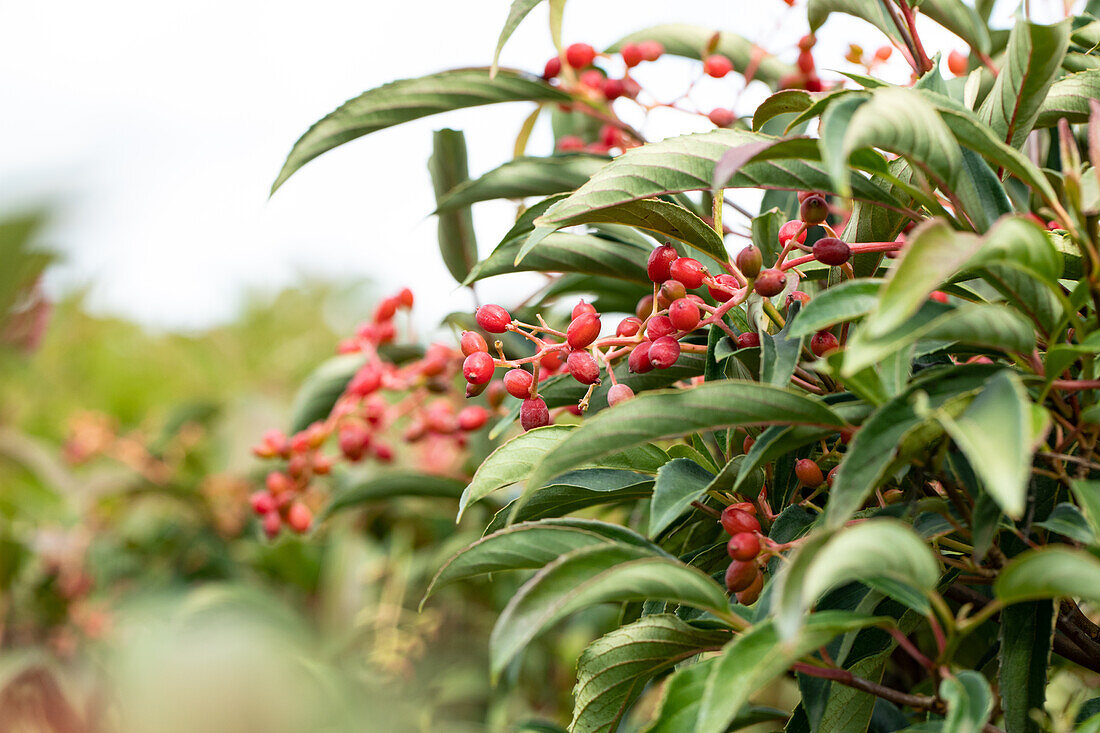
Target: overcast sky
<point>157,128</point>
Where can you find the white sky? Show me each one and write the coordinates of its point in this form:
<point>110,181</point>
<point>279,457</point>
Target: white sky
<point>156,128</point>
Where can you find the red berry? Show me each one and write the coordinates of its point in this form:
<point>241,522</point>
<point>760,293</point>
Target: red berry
<point>354,441</point>
<point>405,298</point>
<point>644,307</point>
<point>770,283</point>
<point>580,55</point>
<point>612,89</point>
<point>684,314</point>
<point>638,361</point>
<point>495,396</point>
<point>472,417</point>
<point>366,380</point>
<point>278,483</point>
<point>493,318</point>
<point>806,62</point>
<point>883,53</point>
<point>618,393</point>
<point>747,444</point>
<point>814,210</point>
<point>632,55</point>
<point>957,62</point>
<point>808,473</point>
<point>471,342</point>
<point>299,517</point>
<point>659,326</point>
<point>806,42</point>
<point>721,117</point>
<point>789,229</point>
<point>743,546</point>
<point>583,307</point>
<point>745,506</point>
<point>749,261</point>
<point>533,413</point>
<point>724,288</point>
<point>552,69</point>
<point>473,390</point>
<point>271,524</point>
<point>736,521</point>
<point>797,296</point>
<point>832,251</point>
<point>688,271</point>
<point>664,352</point>
<point>518,383</point>
<point>751,594</point>
<point>386,310</point>
<point>823,342</point>
<point>262,502</point>
<point>717,66</point>
<point>478,368</point>
<point>748,339</point>
<point>660,263</point>
<point>583,330</point>
<point>740,575</point>
<point>593,78</point>
<point>939,296</point>
<point>382,452</point>
<point>629,326</point>
<point>583,367</point>
<point>832,476</point>
<point>570,143</point>
<point>550,362</point>
<point>651,50</point>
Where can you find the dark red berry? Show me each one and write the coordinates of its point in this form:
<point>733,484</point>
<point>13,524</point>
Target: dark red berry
<point>684,314</point>
<point>618,393</point>
<point>583,367</point>
<point>717,66</point>
<point>612,89</point>
<point>736,520</point>
<point>748,339</point>
<point>743,546</point>
<point>751,594</point>
<point>664,352</point>
<point>472,341</point>
<point>670,290</point>
<point>493,318</point>
<point>533,413</point>
<point>660,262</point>
<point>740,575</point>
<point>831,477</point>
<point>552,68</point>
<point>832,251</point>
<point>659,326</point>
<point>939,296</point>
<point>638,361</point>
<point>580,55</point>
<point>814,210</point>
<point>688,271</point>
<point>644,307</point>
<point>747,444</point>
<point>770,283</point>
<point>583,330</point>
<point>478,368</point>
<point>809,473</point>
<point>629,326</point>
<point>749,261</point>
<point>518,383</point>
<point>823,342</point>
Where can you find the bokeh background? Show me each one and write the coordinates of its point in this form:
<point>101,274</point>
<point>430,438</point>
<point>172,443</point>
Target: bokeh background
<point>139,143</point>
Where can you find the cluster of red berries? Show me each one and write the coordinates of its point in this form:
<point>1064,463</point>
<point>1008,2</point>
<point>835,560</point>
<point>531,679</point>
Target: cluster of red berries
<point>806,76</point>
<point>419,394</point>
<point>743,576</point>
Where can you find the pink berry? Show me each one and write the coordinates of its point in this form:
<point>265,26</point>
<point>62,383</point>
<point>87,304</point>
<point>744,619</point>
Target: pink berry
<point>743,546</point>
<point>629,326</point>
<point>299,517</point>
<point>651,50</point>
<point>570,144</point>
<point>717,66</point>
<point>659,326</point>
<point>366,380</point>
<point>721,117</point>
<point>583,307</point>
<point>789,229</point>
<point>272,523</point>
<point>262,502</point>
<point>619,393</point>
<point>472,417</point>
<point>533,413</point>
<point>583,367</point>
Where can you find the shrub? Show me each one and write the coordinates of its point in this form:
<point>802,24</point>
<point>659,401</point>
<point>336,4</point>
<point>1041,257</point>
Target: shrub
<point>876,429</point>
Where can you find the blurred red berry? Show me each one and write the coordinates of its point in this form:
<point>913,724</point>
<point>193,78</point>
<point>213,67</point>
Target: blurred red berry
<point>272,523</point>
<point>651,50</point>
<point>632,55</point>
<point>472,418</point>
<point>299,517</point>
<point>386,310</point>
<point>552,68</point>
<point>721,117</point>
<point>806,62</point>
<point>580,55</point>
<point>612,89</point>
<point>405,298</point>
<point>262,502</point>
<point>883,53</point>
<point>717,66</point>
<point>570,144</point>
<point>366,380</point>
<point>958,63</point>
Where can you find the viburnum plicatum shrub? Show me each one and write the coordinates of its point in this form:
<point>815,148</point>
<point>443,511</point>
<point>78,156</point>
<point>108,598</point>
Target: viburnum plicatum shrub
<point>850,439</point>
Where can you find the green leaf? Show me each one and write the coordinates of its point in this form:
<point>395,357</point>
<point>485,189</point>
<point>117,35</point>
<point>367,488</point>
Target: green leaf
<point>671,413</point>
<point>781,103</point>
<point>872,11</point>
<point>841,303</point>
<point>934,253</point>
<point>411,99</point>
<point>969,702</point>
<point>23,263</point>
<point>319,392</point>
<point>876,548</point>
<point>687,163</point>
<point>524,177</point>
<point>597,574</point>
<point>1068,521</point>
<point>575,491</point>
<point>613,670</point>
<point>448,167</point>
<point>691,41</point>
<point>516,13</point>
<point>1068,99</point>
<point>1087,494</point>
<point>679,482</point>
<point>995,435</point>
<point>513,461</point>
<point>757,656</point>
<point>566,252</point>
<point>352,494</point>
<point>1018,241</point>
<point>779,354</point>
<point>1026,634</point>
<point>961,19</point>
<point>1050,572</point>
<point>528,546</point>
<point>1032,62</point>
<point>657,216</point>
<point>765,234</point>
